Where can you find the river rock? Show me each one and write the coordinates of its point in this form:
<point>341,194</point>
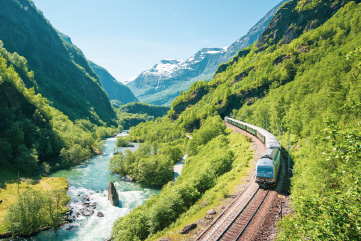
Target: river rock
<point>188,228</point>
<point>86,198</point>
<point>87,211</point>
<point>128,178</point>
<point>71,218</point>
<point>100,214</point>
<point>86,203</point>
<point>69,227</point>
<point>113,195</point>
<point>93,205</point>
<point>211,212</point>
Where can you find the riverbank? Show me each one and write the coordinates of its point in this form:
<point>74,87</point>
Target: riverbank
<point>9,193</point>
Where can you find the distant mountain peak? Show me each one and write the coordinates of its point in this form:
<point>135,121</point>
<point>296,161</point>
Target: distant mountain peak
<point>160,84</point>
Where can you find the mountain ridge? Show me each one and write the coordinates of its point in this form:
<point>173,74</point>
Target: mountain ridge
<point>153,87</point>
<point>62,72</point>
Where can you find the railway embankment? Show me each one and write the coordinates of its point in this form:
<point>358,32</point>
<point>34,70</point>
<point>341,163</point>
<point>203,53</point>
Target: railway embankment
<point>253,213</point>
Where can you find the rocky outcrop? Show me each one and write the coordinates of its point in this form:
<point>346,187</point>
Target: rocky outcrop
<point>128,178</point>
<point>211,212</point>
<point>188,228</point>
<point>87,211</point>
<point>295,18</point>
<point>113,195</point>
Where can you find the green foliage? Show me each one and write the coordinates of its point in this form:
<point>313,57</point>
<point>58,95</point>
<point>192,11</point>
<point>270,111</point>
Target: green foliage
<point>121,142</point>
<point>212,127</point>
<point>118,165</point>
<point>34,136</point>
<point>134,113</point>
<point>152,163</point>
<point>330,208</point>
<point>35,210</point>
<point>300,85</point>
<point>62,73</point>
<point>304,5</point>
<point>115,90</point>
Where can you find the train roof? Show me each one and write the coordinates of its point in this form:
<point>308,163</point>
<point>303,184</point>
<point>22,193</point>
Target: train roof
<point>270,153</point>
<point>271,140</point>
<point>265,162</point>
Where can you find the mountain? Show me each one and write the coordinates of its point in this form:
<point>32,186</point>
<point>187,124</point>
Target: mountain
<point>286,25</point>
<point>162,83</point>
<point>62,73</point>
<point>114,89</point>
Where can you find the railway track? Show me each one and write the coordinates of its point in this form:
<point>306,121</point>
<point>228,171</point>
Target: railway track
<point>233,221</point>
<point>235,230</point>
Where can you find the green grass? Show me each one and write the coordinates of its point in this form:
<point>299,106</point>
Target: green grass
<point>9,195</point>
<point>214,198</point>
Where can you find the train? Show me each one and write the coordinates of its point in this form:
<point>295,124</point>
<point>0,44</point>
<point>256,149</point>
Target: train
<point>269,163</point>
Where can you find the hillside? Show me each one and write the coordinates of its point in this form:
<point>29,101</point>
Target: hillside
<point>34,136</point>
<point>132,114</point>
<point>161,84</point>
<point>308,87</point>
<point>114,89</point>
<point>62,73</point>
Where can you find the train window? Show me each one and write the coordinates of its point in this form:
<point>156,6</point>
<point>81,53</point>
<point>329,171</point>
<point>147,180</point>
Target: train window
<point>265,172</point>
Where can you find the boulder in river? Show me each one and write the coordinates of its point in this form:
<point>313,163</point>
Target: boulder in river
<point>128,178</point>
<point>87,211</point>
<point>188,228</point>
<point>100,214</point>
<point>113,195</point>
<point>69,227</point>
<point>93,205</point>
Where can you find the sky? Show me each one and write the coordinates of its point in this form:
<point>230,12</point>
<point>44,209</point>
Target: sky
<point>128,37</point>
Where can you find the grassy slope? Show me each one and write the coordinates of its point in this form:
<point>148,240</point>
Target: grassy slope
<point>8,193</point>
<point>216,196</point>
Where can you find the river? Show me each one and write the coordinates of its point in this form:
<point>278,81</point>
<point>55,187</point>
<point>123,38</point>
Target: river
<point>92,179</point>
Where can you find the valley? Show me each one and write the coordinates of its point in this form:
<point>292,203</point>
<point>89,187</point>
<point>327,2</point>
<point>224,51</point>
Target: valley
<point>259,140</point>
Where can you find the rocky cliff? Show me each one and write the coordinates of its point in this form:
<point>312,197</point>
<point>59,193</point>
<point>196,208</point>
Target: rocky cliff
<point>305,16</point>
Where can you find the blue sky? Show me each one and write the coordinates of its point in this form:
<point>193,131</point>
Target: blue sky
<point>128,37</point>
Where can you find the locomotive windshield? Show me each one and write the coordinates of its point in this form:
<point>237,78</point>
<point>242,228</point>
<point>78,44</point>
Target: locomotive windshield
<point>265,172</point>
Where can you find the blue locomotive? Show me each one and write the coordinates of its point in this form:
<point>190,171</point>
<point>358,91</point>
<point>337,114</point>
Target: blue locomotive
<point>269,163</point>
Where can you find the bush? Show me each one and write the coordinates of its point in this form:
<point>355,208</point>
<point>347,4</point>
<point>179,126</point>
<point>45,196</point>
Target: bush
<point>35,210</point>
